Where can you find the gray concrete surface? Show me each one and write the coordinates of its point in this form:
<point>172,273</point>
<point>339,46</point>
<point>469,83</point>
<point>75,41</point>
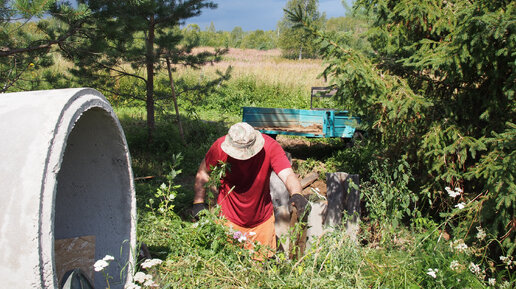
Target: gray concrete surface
<point>343,199</point>
<point>280,197</point>
<point>65,172</point>
<point>315,222</point>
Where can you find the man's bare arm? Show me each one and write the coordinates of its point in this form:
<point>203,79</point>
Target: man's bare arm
<point>201,178</point>
<point>289,178</point>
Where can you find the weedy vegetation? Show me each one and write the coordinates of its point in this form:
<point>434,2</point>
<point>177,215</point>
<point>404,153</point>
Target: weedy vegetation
<point>433,82</point>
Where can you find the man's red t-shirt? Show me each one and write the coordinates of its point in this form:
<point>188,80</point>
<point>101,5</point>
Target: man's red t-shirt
<point>249,203</point>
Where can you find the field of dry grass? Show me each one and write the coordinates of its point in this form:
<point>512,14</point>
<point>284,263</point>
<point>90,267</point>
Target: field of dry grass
<point>267,66</point>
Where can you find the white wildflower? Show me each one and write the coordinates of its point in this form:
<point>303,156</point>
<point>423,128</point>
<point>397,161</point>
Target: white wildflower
<point>103,263</point>
<point>195,225</point>
<point>252,233</point>
<point>459,190</point>
<point>141,277</point>
<point>459,245</point>
<point>149,263</point>
<point>242,238</point>
<point>453,193</point>
<point>481,234</point>
<point>460,205</point>
<point>100,265</point>
<point>474,268</point>
<point>454,265</point>
<point>150,283</point>
<point>432,272</point>
<point>491,281</point>
<point>508,261</point>
<point>131,285</point>
<point>505,284</point>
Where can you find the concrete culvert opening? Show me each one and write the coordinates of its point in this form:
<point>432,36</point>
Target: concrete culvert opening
<point>67,193</point>
<point>91,198</point>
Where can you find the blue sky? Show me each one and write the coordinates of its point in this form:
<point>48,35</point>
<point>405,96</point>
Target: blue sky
<point>255,14</point>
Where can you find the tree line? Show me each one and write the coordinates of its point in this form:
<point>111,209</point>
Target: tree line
<point>292,41</point>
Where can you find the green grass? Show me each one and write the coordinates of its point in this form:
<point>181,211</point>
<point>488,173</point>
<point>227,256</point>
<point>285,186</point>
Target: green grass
<point>198,255</point>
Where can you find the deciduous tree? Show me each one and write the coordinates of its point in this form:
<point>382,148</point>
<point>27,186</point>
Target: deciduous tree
<point>293,41</point>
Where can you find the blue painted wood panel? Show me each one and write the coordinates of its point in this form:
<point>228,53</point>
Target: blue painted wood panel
<point>302,122</point>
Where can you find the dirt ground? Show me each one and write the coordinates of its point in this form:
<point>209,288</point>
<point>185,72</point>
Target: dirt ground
<point>287,142</point>
<point>297,145</point>
<point>314,128</point>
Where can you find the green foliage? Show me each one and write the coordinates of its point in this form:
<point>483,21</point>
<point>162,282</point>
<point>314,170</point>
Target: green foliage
<point>28,37</point>
<point>237,38</point>
<point>498,169</point>
<point>351,31</point>
<point>294,41</point>
<point>355,159</point>
<point>387,195</point>
<point>217,173</point>
<point>201,254</point>
<point>166,193</point>
<point>248,91</point>
<point>438,92</point>
<point>117,43</point>
<point>259,39</point>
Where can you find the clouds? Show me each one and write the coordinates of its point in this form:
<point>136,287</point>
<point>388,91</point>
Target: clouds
<point>254,14</point>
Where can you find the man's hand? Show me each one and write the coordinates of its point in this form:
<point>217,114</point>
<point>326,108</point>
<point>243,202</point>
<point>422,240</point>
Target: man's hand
<point>299,201</point>
<point>197,208</point>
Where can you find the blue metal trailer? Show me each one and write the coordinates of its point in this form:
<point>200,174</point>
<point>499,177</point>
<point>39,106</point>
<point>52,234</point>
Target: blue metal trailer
<point>323,123</point>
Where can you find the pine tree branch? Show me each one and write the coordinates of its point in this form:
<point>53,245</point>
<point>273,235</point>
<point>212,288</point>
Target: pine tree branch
<point>6,51</point>
<point>12,81</point>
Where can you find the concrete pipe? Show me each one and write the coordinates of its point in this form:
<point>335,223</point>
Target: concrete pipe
<point>66,181</point>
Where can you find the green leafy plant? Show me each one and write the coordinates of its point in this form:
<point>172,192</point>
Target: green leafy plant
<point>388,197</point>
<point>217,173</point>
<point>167,192</point>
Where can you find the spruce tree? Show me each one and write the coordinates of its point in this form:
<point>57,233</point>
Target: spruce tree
<point>439,92</point>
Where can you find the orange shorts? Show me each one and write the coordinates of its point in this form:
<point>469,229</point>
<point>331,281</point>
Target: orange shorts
<point>264,234</point>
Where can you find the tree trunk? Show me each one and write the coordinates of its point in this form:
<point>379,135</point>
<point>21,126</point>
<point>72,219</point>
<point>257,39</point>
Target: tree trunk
<point>149,57</point>
<point>300,52</point>
<point>174,98</point>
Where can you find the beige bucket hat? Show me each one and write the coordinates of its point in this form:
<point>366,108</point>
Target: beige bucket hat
<point>242,141</point>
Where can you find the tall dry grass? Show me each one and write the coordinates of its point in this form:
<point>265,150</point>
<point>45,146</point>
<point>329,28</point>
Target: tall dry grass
<point>266,66</point>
